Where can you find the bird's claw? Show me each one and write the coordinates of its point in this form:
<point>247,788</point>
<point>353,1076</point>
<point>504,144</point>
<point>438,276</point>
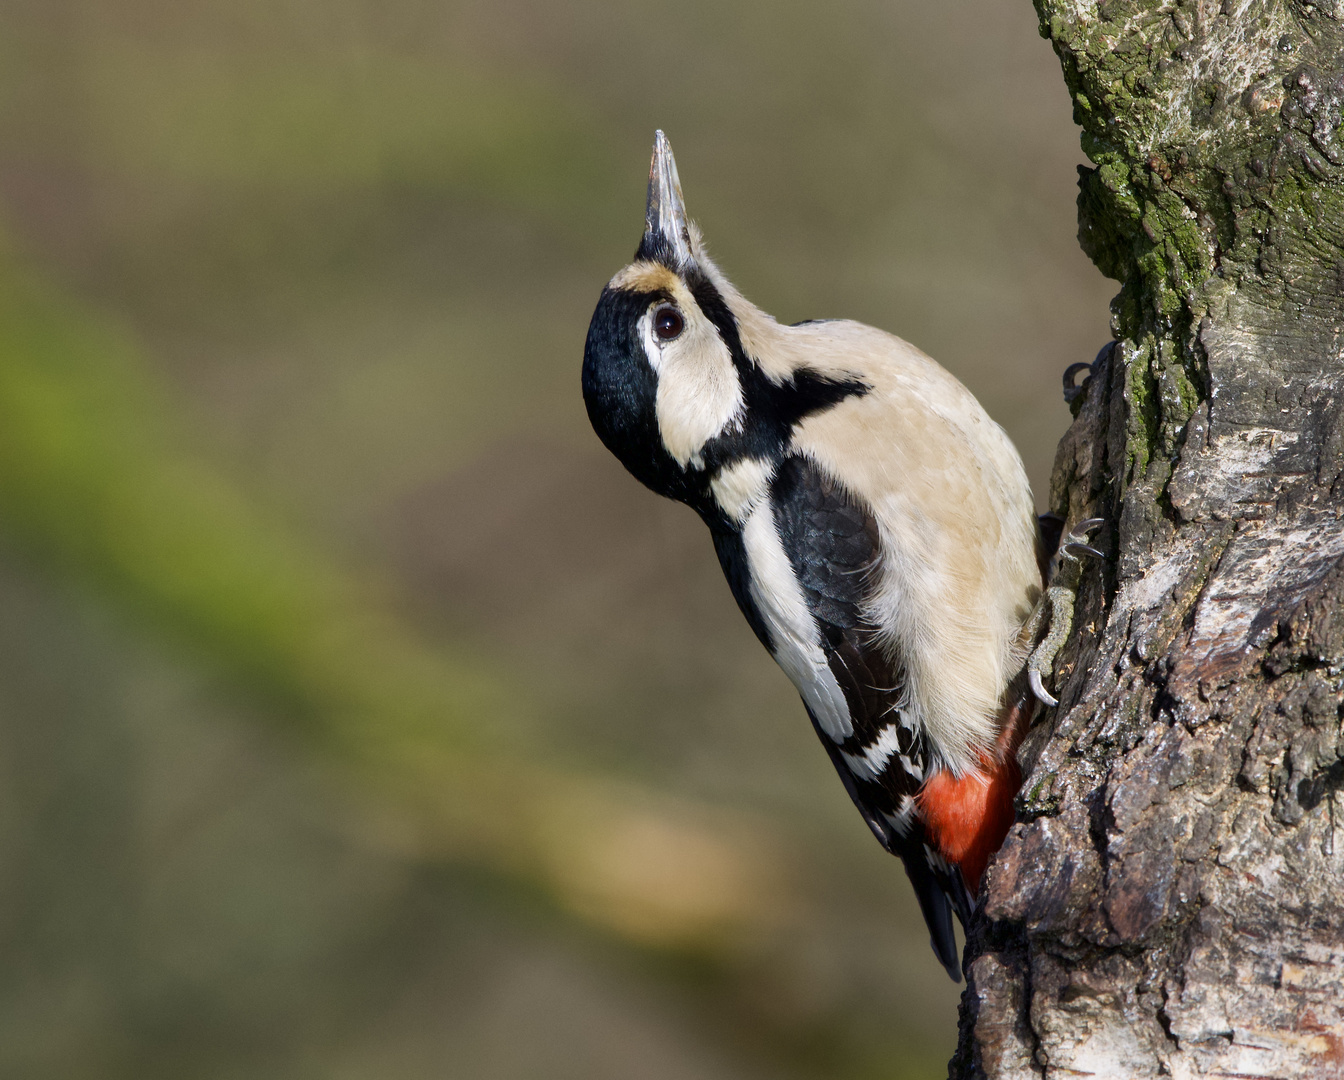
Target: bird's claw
<point>1038,688</point>
<point>1075,543</point>
<point>1058,601</point>
<point>1072,392</point>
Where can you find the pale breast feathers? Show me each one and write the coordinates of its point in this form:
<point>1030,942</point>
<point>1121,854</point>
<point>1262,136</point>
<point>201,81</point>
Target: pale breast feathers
<point>956,574</point>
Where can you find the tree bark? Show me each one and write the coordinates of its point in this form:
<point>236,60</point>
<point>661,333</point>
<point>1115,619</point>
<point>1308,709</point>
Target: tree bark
<point>1171,899</point>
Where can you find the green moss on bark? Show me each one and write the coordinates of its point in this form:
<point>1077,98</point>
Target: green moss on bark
<point>1215,165</point>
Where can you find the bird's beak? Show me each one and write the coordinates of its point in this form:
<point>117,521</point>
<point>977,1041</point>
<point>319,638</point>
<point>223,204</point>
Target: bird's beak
<point>667,230</point>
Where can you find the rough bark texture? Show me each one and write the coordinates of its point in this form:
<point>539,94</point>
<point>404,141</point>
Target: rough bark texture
<point>1171,900</point>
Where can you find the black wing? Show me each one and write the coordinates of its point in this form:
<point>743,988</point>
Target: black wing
<point>832,542</point>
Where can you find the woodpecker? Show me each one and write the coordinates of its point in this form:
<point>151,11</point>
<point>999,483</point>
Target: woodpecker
<point>875,526</point>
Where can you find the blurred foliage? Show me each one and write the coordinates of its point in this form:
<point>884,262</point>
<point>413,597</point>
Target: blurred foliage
<point>91,480</point>
<point>362,718</point>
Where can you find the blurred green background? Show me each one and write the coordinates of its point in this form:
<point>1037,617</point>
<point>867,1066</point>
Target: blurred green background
<point>359,717</point>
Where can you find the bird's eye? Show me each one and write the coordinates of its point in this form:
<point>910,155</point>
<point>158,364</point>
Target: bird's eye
<point>667,322</point>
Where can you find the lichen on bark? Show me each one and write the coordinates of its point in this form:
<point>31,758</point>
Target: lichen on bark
<point>1171,900</point>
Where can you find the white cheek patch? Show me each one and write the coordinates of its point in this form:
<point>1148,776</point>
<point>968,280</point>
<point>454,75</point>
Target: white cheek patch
<point>793,631</point>
<point>699,394</point>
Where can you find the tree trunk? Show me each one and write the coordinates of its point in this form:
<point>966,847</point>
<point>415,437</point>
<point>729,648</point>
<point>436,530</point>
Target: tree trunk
<point>1171,900</point>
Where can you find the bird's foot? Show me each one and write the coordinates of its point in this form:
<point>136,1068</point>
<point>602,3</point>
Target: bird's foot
<point>1073,392</point>
<point>1055,608</point>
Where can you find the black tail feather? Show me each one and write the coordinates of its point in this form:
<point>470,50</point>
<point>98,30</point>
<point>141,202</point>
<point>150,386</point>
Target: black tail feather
<point>938,885</point>
<point>937,909</point>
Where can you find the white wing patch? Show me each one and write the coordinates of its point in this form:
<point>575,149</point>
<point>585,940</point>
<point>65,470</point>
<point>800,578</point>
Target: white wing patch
<point>793,630</point>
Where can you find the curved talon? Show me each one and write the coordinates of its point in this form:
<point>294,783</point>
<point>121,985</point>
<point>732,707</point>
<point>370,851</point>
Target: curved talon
<point>1058,600</point>
<point>1038,688</point>
<point>1071,391</point>
<point>1075,543</point>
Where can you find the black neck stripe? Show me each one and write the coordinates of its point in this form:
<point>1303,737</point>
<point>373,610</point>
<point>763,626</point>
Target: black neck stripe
<point>773,410</point>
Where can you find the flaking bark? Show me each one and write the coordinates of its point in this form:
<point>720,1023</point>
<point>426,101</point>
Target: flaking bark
<point>1171,900</point>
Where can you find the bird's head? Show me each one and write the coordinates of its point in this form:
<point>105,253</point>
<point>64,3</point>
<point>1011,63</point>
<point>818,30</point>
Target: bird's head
<point>664,364</point>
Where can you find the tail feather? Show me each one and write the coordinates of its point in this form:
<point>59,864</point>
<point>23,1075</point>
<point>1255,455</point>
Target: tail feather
<point>939,885</point>
<point>937,910</point>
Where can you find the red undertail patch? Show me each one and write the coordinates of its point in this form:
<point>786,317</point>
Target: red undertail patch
<point>967,817</point>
